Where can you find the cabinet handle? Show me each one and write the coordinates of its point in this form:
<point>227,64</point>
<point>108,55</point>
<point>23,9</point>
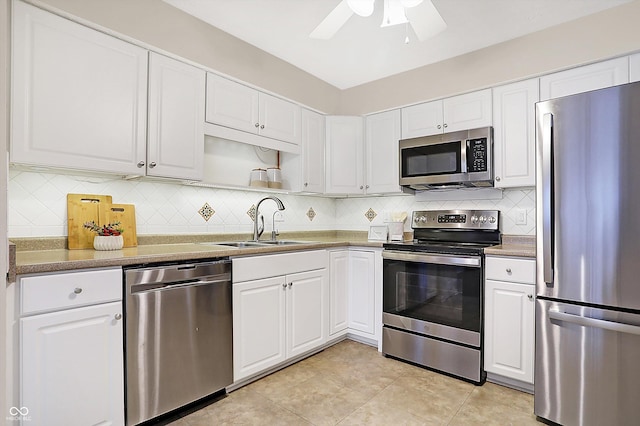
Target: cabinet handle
<point>140,164</point>
<point>118,316</point>
<point>152,164</point>
<point>497,178</point>
<point>262,126</point>
<point>290,285</point>
<point>77,290</point>
<point>530,296</point>
<point>508,270</point>
<point>257,125</point>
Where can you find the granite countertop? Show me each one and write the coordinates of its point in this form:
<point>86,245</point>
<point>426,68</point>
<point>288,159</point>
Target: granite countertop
<point>512,245</point>
<point>37,256</point>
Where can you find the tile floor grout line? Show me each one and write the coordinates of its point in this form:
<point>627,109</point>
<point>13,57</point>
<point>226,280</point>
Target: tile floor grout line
<point>460,407</point>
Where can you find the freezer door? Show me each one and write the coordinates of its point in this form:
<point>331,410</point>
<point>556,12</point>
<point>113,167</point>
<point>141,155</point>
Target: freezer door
<point>587,370</point>
<point>588,181</point>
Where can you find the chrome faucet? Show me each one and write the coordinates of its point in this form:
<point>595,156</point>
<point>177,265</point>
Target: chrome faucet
<point>257,232</point>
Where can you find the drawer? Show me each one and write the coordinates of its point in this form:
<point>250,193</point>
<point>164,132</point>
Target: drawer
<point>511,269</point>
<point>42,293</point>
<point>274,265</point>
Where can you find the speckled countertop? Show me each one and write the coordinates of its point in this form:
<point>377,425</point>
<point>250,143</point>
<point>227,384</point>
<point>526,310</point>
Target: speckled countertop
<point>514,245</point>
<point>38,256</point>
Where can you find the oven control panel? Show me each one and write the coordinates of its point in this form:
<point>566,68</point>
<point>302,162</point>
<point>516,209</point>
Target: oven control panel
<point>470,219</point>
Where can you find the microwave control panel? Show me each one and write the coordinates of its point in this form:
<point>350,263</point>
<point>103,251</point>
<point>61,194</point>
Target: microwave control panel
<point>477,155</point>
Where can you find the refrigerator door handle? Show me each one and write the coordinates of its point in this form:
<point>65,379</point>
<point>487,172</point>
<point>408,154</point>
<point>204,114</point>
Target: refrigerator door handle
<point>593,322</point>
<point>547,197</point>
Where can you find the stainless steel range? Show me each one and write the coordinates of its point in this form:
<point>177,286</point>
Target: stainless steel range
<point>433,291</point>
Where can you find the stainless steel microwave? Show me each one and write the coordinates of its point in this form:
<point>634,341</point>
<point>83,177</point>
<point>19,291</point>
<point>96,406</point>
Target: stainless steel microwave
<point>448,160</point>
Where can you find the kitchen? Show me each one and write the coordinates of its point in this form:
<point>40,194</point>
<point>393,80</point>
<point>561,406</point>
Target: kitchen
<point>46,218</point>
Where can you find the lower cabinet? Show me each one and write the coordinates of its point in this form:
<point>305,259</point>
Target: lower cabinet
<point>71,360</point>
<point>280,317</point>
<point>510,319</point>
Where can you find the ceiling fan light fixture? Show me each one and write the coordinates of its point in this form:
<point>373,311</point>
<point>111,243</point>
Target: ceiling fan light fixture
<point>393,13</point>
<point>362,8</point>
<point>410,3</point>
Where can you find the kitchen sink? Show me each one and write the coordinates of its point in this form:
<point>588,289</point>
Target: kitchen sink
<point>243,244</point>
<point>283,242</point>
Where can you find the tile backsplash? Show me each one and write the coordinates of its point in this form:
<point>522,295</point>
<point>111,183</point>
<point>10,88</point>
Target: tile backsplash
<point>37,206</point>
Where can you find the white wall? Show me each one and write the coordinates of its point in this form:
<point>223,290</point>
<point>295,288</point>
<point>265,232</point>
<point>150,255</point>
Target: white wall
<point>4,143</point>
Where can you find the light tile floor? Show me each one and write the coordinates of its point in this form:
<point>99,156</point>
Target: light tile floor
<point>352,384</point>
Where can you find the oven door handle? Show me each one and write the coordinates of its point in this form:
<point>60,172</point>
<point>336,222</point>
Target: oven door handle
<point>457,260</point>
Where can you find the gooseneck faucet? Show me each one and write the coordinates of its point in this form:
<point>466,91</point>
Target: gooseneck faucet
<point>257,232</point>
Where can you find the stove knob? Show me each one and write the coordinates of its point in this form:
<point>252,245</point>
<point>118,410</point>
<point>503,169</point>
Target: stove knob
<point>423,219</point>
<point>416,219</point>
<point>483,219</point>
<point>474,219</point>
<point>492,219</point>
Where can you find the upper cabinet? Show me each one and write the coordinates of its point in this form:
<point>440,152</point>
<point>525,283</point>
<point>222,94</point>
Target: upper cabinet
<point>634,68</point>
<point>242,108</point>
<point>344,155</point>
<point>313,138</point>
<point>382,133</point>
<point>176,119</point>
<point>586,78</point>
<point>79,97</point>
<point>462,112</point>
<point>514,133</point>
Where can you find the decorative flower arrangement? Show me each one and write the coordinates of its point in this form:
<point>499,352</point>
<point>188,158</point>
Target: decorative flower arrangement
<point>108,230</point>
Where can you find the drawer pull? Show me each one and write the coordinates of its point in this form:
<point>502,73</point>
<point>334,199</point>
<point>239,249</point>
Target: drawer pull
<point>530,296</point>
<point>77,290</point>
<point>508,270</point>
<point>118,316</point>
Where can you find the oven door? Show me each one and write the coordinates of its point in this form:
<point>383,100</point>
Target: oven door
<point>433,294</point>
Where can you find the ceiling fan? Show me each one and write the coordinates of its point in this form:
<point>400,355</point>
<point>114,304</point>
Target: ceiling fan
<point>421,14</point>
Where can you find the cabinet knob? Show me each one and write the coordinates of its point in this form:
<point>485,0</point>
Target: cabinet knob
<point>497,178</point>
<point>306,184</point>
<point>140,164</point>
<point>361,187</point>
<point>152,164</point>
<point>446,125</point>
<point>439,126</point>
<point>257,125</point>
<point>530,296</point>
<point>77,290</point>
<point>284,286</point>
<point>118,316</point>
<point>367,186</point>
<point>262,126</point>
<point>290,285</point>
<point>508,270</point>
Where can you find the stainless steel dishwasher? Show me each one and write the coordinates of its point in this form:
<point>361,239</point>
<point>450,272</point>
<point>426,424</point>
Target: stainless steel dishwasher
<point>178,336</point>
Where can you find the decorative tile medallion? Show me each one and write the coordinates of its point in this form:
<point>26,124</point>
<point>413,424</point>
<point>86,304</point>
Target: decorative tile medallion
<point>252,213</point>
<point>370,214</point>
<point>206,212</point>
<point>311,213</point>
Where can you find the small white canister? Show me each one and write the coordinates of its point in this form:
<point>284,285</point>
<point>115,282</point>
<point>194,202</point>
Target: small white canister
<point>259,178</point>
<point>274,175</point>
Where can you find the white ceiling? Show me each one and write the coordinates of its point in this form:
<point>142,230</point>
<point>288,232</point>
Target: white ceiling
<point>361,51</point>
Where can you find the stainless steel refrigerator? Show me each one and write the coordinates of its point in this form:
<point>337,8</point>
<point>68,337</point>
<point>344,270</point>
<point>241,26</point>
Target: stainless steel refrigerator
<point>588,258</point>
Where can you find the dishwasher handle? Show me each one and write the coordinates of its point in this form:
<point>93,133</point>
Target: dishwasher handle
<point>143,288</point>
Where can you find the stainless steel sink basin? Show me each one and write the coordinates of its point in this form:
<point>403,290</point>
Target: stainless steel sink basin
<point>239,244</point>
<point>283,242</point>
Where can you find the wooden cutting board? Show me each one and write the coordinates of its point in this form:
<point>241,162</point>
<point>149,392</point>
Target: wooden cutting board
<point>126,215</point>
<point>83,208</point>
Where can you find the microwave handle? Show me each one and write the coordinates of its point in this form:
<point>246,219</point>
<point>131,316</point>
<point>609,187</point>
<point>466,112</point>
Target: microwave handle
<point>464,144</point>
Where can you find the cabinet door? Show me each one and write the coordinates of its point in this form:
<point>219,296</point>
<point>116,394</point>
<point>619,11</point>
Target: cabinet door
<point>79,97</point>
<point>338,285</point>
<point>586,78</point>
<point>468,111</point>
<point>258,325</point>
<point>422,120</point>
<point>362,291</point>
<point>514,140</point>
<point>381,147</point>
<point>306,311</point>
<point>72,366</point>
<point>344,155</point>
<point>313,137</point>
<point>176,119</point>
<point>634,68</point>
<point>279,119</point>
<point>231,104</point>
<point>509,330</point>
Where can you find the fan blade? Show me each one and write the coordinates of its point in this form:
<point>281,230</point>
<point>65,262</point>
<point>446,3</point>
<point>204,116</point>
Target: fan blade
<point>425,20</point>
<point>333,22</point>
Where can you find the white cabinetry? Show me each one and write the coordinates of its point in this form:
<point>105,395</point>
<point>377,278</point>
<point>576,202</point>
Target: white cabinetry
<point>514,133</point>
<point>176,119</point>
<point>79,97</point>
<point>634,68</point>
<point>585,78</point>
<point>304,172</point>
<point>509,320</point>
<point>71,348</point>
<point>344,155</point>
<point>382,133</point>
<point>338,292</point>
<point>362,292</point>
<point>279,309</point>
<point>242,108</point>
<point>462,112</point>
